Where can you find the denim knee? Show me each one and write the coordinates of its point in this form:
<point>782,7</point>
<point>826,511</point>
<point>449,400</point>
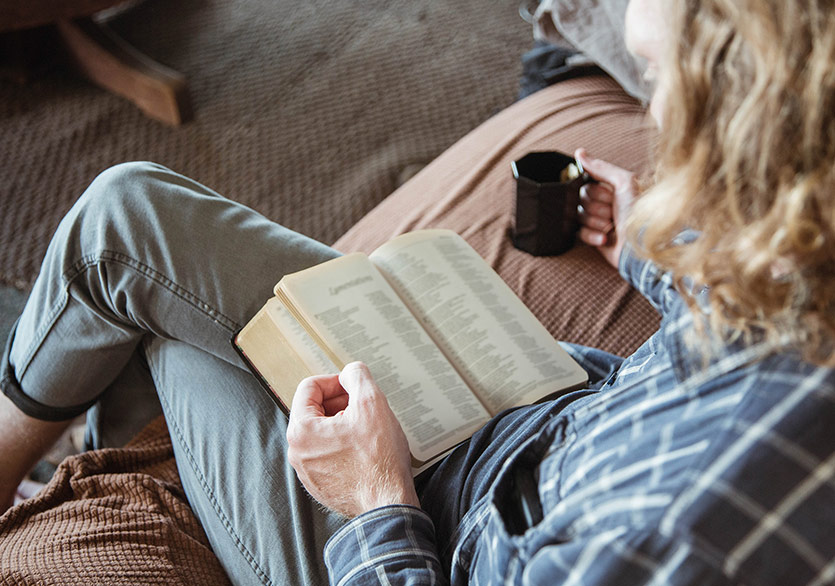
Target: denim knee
<point>121,203</point>
<point>123,187</point>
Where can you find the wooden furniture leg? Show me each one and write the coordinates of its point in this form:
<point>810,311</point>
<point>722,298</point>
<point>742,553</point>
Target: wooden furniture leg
<point>161,93</point>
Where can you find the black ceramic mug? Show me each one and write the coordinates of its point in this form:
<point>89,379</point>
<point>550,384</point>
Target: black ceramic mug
<point>547,197</point>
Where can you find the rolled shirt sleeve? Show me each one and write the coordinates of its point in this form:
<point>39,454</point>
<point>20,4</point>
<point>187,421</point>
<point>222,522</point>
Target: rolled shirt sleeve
<point>653,283</point>
<point>390,545</point>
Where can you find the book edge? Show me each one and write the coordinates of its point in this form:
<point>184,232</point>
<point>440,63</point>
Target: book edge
<point>257,374</point>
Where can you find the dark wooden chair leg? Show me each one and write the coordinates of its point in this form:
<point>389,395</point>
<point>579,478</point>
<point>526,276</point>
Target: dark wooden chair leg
<point>161,93</point>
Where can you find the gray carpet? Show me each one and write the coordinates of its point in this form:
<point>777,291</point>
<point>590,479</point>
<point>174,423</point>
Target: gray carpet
<point>11,304</point>
<point>310,112</point>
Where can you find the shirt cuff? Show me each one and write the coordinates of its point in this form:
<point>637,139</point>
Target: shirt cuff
<point>396,541</point>
<point>626,263</point>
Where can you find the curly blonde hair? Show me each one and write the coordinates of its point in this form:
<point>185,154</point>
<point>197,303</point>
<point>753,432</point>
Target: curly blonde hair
<point>747,159</point>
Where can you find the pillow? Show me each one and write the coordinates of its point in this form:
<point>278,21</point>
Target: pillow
<point>596,29</point>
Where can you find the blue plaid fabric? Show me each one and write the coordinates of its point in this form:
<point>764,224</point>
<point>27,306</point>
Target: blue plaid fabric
<point>668,470</point>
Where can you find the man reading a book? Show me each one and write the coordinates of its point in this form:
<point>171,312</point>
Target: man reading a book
<point>706,457</point>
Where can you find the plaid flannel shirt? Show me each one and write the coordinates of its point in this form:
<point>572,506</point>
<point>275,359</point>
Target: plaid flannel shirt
<point>665,471</point>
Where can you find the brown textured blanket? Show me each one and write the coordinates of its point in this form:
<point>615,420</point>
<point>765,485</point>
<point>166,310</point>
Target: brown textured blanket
<point>114,516</point>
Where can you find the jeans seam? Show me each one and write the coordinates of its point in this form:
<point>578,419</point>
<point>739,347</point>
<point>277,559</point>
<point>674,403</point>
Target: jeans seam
<point>86,262</point>
<point>37,339</point>
<point>224,519</point>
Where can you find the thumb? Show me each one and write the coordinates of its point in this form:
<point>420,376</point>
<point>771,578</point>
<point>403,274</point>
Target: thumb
<point>356,379</point>
<point>603,171</point>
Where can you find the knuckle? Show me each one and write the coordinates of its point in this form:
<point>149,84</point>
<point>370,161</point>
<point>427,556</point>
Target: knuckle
<point>372,401</point>
<point>365,400</point>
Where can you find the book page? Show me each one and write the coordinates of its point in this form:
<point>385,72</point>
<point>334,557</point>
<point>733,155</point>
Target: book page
<point>348,304</point>
<point>485,330</point>
<point>313,357</point>
<point>274,358</point>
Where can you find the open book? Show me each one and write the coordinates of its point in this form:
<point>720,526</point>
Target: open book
<point>445,338</point>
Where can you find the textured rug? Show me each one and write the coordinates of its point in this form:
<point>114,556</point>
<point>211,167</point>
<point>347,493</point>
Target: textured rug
<point>311,112</point>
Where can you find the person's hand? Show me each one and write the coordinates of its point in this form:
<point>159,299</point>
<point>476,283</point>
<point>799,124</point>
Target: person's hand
<point>346,445</point>
<point>605,205</point>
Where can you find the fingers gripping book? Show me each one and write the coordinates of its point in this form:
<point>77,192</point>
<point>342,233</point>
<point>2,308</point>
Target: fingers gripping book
<point>447,341</point>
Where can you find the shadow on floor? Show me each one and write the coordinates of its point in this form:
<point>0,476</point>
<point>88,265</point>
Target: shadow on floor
<point>11,304</point>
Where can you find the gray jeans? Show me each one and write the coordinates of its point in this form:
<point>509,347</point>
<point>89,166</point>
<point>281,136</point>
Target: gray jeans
<point>143,285</point>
